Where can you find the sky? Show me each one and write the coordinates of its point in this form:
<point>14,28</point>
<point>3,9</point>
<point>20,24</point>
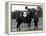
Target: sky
<point>20,7</point>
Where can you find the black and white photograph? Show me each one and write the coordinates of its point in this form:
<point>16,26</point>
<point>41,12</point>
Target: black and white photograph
<point>26,17</point>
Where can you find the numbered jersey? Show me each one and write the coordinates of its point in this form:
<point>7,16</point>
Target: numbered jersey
<point>24,14</point>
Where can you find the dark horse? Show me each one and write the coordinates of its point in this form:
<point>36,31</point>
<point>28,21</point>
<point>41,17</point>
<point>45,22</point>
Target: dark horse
<point>35,16</point>
<point>20,18</point>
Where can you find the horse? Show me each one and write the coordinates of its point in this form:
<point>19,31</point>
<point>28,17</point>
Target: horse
<point>20,19</point>
<point>35,16</point>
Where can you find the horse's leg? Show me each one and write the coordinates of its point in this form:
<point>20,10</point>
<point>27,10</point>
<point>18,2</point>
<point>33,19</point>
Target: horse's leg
<point>29,28</point>
<point>36,25</point>
<point>29,25</point>
<point>17,26</point>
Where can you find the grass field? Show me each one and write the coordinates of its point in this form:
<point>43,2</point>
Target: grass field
<point>23,26</point>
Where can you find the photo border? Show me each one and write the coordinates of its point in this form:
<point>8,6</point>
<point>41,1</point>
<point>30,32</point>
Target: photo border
<point>30,3</point>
